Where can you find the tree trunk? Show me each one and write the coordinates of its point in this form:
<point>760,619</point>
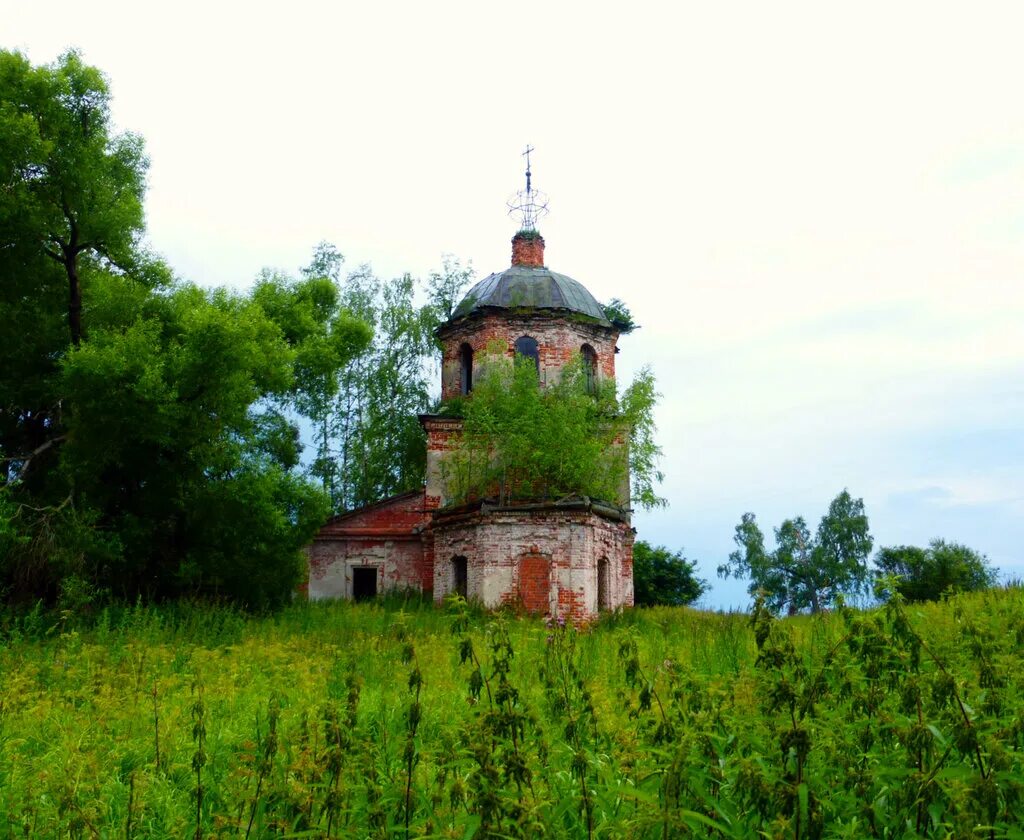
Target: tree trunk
<point>74,300</point>
<point>815,603</point>
<point>70,252</point>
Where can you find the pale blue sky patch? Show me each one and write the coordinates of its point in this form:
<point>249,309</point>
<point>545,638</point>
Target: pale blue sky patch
<point>894,316</point>
<point>1009,228</point>
<point>983,164</point>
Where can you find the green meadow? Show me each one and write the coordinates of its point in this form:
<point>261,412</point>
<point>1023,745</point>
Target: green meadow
<point>399,719</point>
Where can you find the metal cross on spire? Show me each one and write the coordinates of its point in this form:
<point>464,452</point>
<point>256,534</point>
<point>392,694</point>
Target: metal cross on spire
<point>529,204</point>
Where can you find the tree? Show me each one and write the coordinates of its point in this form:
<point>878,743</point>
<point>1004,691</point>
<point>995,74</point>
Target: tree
<point>74,189</point>
<point>71,221</point>
<point>444,287</point>
<point>70,226</point>
<point>146,440</point>
<point>661,576</point>
<point>521,441</point>
<point>804,571</point>
<point>326,337</point>
<point>926,573</point>
<point>381,448</point>
<point>636,410</point>
<point>361,390</point>
<point>621,318</point>
<point>178,454</point>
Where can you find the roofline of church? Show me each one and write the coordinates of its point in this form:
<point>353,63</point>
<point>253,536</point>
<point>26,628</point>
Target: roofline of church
<point>551,312</point>
<point>408,494</point>
<point>438,418</point>
<point>606,510</point>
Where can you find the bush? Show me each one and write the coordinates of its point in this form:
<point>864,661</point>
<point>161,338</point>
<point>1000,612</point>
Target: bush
<point>522,441</point>
<point>663,577</point>
<point>925,573</point>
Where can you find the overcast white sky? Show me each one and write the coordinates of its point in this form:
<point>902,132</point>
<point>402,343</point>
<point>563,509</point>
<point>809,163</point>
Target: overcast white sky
<point>815,211</point>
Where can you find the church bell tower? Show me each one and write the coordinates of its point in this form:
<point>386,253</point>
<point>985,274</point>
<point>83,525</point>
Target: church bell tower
<point>571,557</point>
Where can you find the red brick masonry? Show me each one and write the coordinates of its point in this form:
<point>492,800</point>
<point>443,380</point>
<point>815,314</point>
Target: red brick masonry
<point>546,558</point>
<point>528,250</point>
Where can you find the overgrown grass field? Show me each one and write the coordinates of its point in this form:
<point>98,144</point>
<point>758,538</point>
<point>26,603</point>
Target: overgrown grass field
<point>395,720</point>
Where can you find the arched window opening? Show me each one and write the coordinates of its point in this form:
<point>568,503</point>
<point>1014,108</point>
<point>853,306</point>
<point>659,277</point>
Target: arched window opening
<point>466,368</point>
<point>460,576</point>
<point>603,585</point>
<point>589,367</point>
<point>528,348</point>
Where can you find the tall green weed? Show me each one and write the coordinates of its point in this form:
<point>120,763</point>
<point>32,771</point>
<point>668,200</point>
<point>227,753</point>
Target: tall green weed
<point>398,719</point>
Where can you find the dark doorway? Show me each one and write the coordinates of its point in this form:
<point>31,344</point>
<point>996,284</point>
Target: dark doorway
<point>460,576</point>
<point>364,583</point>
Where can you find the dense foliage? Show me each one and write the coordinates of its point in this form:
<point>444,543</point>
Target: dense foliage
<point>805,571</point>
<point>664,577</point>
<point>145,440</point>
<point>368,442</point>
<point>366,721</point>
<point>521,441</point>
<point>621,318</point>
<point>380,447</point>
<point>924,574</point>
<point>149,442</point>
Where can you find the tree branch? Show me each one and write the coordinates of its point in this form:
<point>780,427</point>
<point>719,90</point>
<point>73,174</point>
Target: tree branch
<point>101,249</point>
<point>37,451</point>
<point>57,256</point>
<point>48,508</point>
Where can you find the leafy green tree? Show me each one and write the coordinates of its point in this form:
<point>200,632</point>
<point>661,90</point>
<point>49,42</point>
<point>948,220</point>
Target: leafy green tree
<point>326,338</point>
<point>71,219</point>
<point>618,313</point>
<point>73,189</point>
<point>521,441</point>
<point>174,448</point>
<point>805,571</point>
<point>664,577</point>
<point>925,573</point>
<point>636,410</point>
<point>146,445</point>
<point>172,415</point>
<point>380,448</point>
<point>362,373</point>
<point>10,537</point>
<point>444,287</point>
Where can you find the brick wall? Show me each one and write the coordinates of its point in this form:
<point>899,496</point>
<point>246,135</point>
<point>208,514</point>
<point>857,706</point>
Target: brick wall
<point>442,434</point>
<point>559,338</point>
<point>397,515</point>
<point>545,558</point>
<point>399,564</point>
<point>533,583</point>
<point>536,557</point>
<point>528,250</point>
<point>388,536</point>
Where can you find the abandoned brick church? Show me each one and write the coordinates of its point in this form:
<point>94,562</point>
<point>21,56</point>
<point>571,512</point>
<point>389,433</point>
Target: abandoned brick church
<point>570,558</point>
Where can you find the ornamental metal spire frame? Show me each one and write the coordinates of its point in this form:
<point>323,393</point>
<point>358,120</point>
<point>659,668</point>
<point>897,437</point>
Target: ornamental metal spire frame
<point>530,204</point>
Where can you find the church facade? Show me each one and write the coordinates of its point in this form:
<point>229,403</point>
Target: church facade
<point>570,558</point>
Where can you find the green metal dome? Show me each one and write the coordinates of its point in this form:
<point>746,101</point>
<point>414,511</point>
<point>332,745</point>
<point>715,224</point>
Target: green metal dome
<point>525,287</point>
